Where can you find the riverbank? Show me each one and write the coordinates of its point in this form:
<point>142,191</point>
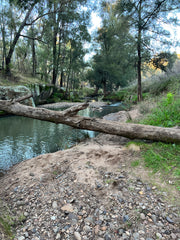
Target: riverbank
<point>90,191</point>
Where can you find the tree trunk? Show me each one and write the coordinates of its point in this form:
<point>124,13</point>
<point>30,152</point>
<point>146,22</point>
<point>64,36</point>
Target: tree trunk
<point>33,49</point>
<point>33,58</point>
<point>139,72</point>
<point>11,50</point>
<point>4,46</point>
<point>62,79</point>
<point>69,117</point>
<point>139,52</point>
<point>54,58</point>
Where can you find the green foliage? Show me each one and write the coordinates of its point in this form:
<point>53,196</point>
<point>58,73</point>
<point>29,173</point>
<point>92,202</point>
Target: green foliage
<point>164,158</point>
<point>113,65</point>
<point>166,114</point>
<point>116,96</point>
<point>23,4</point>
<point>86,92</point>
<point>6,227</point>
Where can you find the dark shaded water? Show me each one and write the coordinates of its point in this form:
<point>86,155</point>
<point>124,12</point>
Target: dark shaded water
<point>24,138</point>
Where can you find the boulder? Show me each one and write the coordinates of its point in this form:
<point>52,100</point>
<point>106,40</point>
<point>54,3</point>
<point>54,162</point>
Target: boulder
<point>121,116</point>
<point>8,93</point>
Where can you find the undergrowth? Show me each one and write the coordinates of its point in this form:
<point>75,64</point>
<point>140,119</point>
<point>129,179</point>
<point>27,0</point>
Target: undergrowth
<point>163,158</point>
<point>160,157</point>
<point>166,114</point>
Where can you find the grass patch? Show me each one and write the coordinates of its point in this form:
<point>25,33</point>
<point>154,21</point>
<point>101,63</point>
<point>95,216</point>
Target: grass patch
<point>9,219</point>
<point>166,114</point>
<point>6,227</point>
<point>135,163</point>
<point>163,158</point>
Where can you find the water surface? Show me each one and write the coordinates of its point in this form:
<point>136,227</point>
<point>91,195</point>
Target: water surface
<point>24,138</point>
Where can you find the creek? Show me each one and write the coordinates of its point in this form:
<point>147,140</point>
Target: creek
<point>24,138</point>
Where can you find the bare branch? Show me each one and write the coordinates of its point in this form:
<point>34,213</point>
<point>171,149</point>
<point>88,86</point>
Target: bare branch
<point>156,10</point>
<point>33,38</point>
<point>21,98</point>
<point>73,110</point>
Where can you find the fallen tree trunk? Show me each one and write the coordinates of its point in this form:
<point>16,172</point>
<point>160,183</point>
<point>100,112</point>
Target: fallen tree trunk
<point>69,117</point>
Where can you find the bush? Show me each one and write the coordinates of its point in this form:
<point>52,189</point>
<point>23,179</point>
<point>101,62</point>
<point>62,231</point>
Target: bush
<point>117,96</point>
<point>86,92</point>
<point>163,84</point>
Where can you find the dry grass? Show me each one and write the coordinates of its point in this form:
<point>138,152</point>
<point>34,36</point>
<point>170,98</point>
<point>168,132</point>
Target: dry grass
<point>19,79</point>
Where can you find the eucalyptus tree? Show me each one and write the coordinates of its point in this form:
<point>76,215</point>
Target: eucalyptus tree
<point>21,56</point>
<point>145,18</point>
<point>113,64</point>
<point>27,6</point>
<point>3,24</point>
<point>8,20</point>
<point>61,27</point>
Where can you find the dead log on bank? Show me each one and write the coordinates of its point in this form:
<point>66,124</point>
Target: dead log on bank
<point>70,117</point>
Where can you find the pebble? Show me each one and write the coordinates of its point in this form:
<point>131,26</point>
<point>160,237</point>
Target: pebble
<point>87,229</point>
<point>21,238</point>
<point>142,216</point>
<point>58,236</point>
<point>125,218</point>
<point>53,218</point>
<point>154,218</point>
<point>67,208</point>
<point>158,235</point>
<point>54,204</point>
<point>26,214</point>
<point>173,236</point>
<point>107,237</point>
<point>169,220</point>
<point>136,235</point>
<point>77,235</point>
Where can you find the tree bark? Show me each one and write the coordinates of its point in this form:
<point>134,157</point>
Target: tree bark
<point>69,117</point>
<point>139,93</point>
<point>4,46</point>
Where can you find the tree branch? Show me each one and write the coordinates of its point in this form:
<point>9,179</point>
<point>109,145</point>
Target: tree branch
<point>152,13</point>
<point>75,109</point>
<point>21,98</point>
<point>32,38</point>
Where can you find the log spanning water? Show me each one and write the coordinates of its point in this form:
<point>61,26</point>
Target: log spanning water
<point>70,117</point>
